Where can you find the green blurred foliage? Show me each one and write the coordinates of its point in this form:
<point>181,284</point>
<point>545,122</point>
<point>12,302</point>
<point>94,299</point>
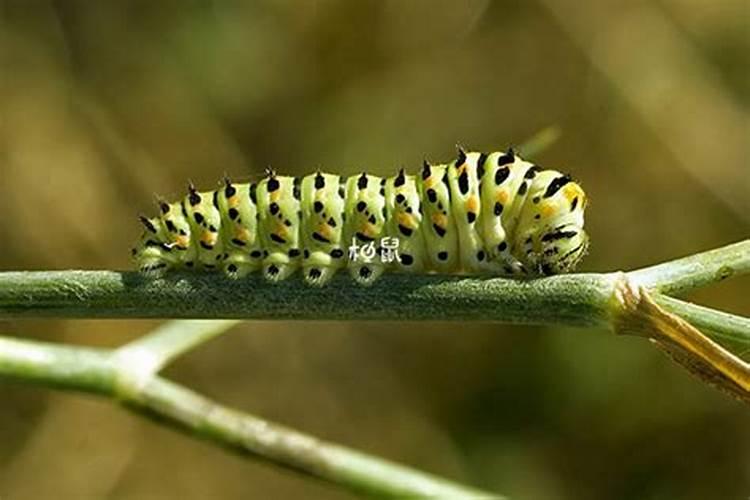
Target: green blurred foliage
<point>106,104</point>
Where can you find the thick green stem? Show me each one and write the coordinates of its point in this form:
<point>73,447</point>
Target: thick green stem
<point>572,299</point>
<point>579,299</point>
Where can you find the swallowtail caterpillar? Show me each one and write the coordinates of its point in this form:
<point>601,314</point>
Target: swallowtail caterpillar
<point>482,214</point>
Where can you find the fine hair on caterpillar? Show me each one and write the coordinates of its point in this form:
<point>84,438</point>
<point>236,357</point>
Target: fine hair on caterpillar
<point>482,214</point>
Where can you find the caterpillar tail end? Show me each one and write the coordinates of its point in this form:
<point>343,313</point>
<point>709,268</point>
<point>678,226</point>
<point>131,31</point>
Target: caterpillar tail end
<point>153,268</point>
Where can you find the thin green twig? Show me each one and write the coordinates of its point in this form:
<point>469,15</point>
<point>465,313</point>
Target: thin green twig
<point>679,276</point>
<point>540,141</point>
<point>717,324</point>
<point>64,367</point>
<point>291,449</point>
<point>94,371</point>
<point>167,342</point>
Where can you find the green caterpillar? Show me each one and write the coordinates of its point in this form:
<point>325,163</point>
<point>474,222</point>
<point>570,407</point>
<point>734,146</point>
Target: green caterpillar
<point>490,214</point>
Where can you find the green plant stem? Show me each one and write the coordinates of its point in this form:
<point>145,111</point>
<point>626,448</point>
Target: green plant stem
<point>63,367</point>
<point>94,371</point>
<point>579,299</point>
<point>286,447</point>
<point>679,276</point>
<point>717,324</point>
<point>169,341</point>
<point>572,299</point>
<point>540,141</point>
<point>129,374</point>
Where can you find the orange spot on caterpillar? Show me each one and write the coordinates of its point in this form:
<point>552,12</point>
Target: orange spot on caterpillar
<point>435,178</point>
<point>209,238</point>
<point>572,190</point>
<point>472,204</point>
<point>502,196</point>
<point>368,230</point>
<point>325,230</point>
<point>439,219</point>
<point>406,220</point>
<point>242,234</point>
<point>548,209</point>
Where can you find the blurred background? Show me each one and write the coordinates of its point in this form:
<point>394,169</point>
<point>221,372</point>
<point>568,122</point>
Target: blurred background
<point>104,105</point>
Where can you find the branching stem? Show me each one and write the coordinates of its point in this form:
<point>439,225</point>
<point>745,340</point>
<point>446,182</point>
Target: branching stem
<point>129,374</point>
<point>149,354</point>
<point>93,371</point>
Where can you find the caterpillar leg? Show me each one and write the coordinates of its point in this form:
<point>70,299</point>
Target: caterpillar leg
<point>319,268</point>
<point>319,276</point>
<point>238,266</point>
<point>366,274</point>
<point>503,261</point>
<point>153,267</point>
<point>275,272</point>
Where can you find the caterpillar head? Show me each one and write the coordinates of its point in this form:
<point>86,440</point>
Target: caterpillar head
<point>561,249</point>
<point>554,240</point>
<point>565,245</point>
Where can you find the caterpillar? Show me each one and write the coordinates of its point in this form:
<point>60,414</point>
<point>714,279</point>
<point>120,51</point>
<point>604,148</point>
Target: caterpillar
<point>491,214</point>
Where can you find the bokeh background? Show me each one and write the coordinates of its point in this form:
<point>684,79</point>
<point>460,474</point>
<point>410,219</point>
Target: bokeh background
<point>103,105</point>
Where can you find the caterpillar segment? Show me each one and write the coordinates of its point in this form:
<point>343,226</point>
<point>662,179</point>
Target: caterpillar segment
<point>439,231</point>
<point>495,195</point>
<point>482,214</point>
<point>204,218</point>
<point>323,200</point>
<point>166,241</point>
<point>365,226</point>
<point>463,179</point>
<point>239,228</point>
<point>153,254</point>
<point>279,223</point>
<point>405,220</point>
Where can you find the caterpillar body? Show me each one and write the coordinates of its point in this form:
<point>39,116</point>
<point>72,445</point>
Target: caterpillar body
<point>492,214</point>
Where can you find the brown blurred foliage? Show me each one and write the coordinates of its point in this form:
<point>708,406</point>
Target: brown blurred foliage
<point>105,104</point>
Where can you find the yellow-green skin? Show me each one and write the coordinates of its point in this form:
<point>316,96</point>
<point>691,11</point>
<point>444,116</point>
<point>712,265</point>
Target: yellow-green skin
<point>492,214</point>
